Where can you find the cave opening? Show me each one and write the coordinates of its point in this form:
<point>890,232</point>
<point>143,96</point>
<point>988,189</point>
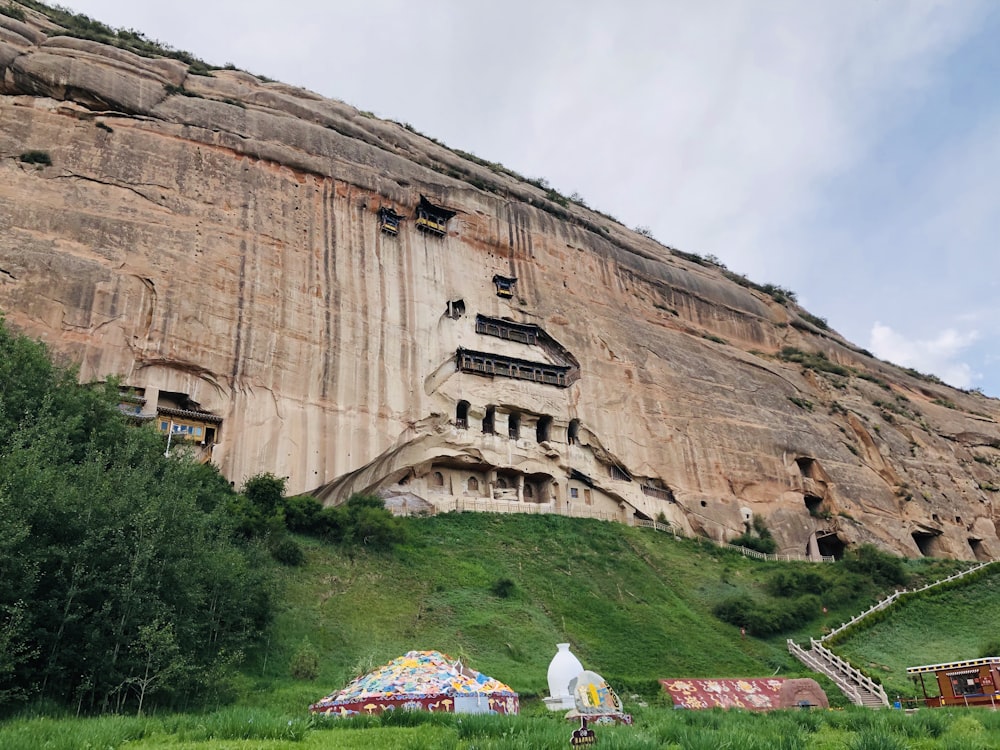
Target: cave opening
<point>831,545</point>
<point>542,428</point>
<point>927,542</point>
<point>462,415</point>
<point>976,545</point>
<point>814,505</point>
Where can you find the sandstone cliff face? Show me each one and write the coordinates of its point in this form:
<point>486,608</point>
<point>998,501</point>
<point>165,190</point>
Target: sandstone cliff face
<point>218,239</point>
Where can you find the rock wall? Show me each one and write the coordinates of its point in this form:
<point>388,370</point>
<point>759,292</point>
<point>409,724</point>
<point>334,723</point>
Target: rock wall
<point>218,238</point>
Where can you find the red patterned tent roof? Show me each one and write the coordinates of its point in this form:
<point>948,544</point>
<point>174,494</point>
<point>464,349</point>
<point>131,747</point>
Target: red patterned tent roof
<point>754,694</point>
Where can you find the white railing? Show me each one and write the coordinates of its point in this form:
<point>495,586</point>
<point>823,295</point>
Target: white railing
<point>846,676</point>
<point>888,601</point>
<point>849,671</point>
<point>492,505</point>
<point>746,552</point>
<point>817,665</point>
<point>778,558</point>
<point>657,525</point>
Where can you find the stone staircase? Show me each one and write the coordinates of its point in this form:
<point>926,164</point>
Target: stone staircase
<point>858,687</point>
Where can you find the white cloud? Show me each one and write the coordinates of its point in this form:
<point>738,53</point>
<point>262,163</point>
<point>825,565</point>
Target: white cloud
<point>937,356</point>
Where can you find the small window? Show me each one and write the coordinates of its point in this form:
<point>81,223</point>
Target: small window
<point>528,491</point>
<point>197,431</point>
<point>164,426</point>
<point>473,484</point>
<point>489,420</point>
<point>574,492</point>
<point>462,415</point>
<point>514,425</point>
<point>437,479</point>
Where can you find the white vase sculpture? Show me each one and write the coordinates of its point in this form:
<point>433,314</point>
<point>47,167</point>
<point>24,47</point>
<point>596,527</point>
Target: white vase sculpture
<point>563,668</point>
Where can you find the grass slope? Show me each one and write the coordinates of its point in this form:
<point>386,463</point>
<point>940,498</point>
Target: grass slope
<point>948,624</point>
<point>499,591</point>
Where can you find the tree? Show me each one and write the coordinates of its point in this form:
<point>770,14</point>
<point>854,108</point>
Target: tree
<point>265,492</point>
<point>122,553</point>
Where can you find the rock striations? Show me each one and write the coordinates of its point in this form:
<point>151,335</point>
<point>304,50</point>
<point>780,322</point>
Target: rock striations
<point>289,285</point>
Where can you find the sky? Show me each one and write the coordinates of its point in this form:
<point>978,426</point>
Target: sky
<point>848,150</point>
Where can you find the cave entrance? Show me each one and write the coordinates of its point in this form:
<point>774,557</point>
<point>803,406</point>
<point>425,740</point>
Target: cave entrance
<point>514,425</point>
<point>830,545</point>
<point>927,542</point>
<point>814,504</point>
<point>977,549</point>
<point>573,432</point>
<point>489,420</point>
<point>543,428</point>
<point>462,415</point>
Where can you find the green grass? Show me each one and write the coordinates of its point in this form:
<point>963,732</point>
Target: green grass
<point>499,592</point>
<point>655,728</point>
<point>635,604</point>
<point>938,626</point>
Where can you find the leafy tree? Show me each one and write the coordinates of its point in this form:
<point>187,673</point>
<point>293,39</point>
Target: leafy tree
<point>128,559</point>
<point>265,492</point>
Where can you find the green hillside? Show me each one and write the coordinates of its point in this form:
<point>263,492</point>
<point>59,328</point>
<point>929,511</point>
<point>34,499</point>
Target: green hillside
<point>501,591</point>
<point>948,624</point>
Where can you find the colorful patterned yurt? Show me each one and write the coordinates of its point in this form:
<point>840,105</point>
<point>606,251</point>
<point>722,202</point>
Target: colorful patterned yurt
<point>421,681</point>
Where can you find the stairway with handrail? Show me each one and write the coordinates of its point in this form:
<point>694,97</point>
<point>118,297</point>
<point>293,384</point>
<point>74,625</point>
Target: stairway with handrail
<point>860,689</point>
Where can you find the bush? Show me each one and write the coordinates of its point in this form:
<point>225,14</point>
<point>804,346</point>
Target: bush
<point>871,562</point>
<point>302,513</point>
<point>362,520</point>
<point>990,648</point>
<point>12,11</point>
<point>288,552</point>
<point>37,157</point>
<point>792,582</point>
<point>503,588</point>
<point>764,619</point>
<point>265,491</point>
<point>758,537</point>
<point>305,662</point>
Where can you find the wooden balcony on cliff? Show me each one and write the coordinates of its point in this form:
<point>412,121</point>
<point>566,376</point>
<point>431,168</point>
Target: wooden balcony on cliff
<point>497,365</point>
<point>522,333</point>
<point>504,285</point>
<point>388,220</point>
<point>192,426</point>
<point>431,218</point>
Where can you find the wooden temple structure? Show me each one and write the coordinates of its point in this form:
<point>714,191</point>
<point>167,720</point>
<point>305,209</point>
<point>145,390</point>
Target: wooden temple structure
<point>431,218</point>
<point>975,682</point>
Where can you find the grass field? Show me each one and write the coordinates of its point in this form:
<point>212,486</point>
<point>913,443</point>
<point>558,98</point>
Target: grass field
<point>500,592</point>
<point>634,603</point>
<point>655,728</point>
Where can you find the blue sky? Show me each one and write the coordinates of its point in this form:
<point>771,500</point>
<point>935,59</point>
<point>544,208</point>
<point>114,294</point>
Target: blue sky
<point>848,150</point>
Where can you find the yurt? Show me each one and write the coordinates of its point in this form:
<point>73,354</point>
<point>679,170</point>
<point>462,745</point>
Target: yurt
<point>421,681</point>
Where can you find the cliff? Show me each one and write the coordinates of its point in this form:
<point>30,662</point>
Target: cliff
<point>292,286</point>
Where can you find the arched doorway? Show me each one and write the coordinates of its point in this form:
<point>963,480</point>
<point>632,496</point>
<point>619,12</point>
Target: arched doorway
<point>462,415</point>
